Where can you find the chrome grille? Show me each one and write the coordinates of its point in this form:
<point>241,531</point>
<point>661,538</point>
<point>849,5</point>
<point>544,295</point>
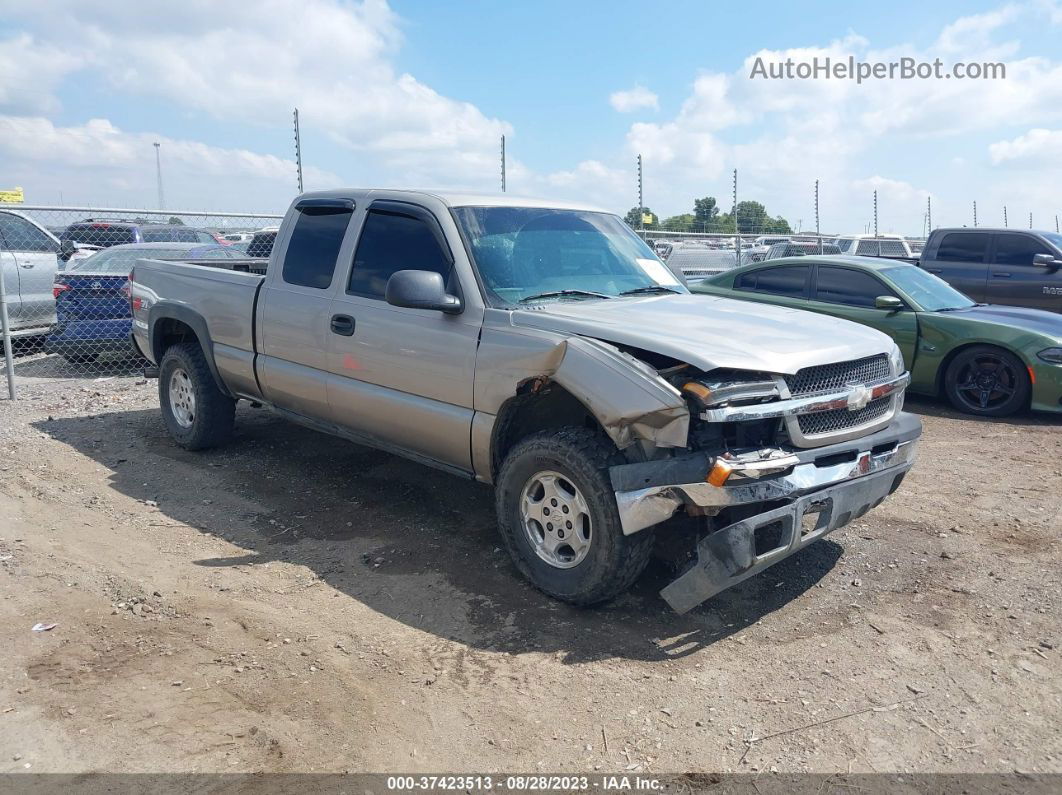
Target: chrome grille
<point>843,419</point>
<point>824,378</point>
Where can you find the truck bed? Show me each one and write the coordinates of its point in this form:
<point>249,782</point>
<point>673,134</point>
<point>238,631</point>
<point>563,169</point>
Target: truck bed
<point>221,294</point>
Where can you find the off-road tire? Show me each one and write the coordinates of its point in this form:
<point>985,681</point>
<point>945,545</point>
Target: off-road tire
<point>614,561</point>
<point>215,411</point>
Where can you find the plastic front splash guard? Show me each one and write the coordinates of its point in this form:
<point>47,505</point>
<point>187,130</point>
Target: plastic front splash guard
<point>729,555</point>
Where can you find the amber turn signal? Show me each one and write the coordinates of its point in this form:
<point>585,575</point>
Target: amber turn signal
<point>719,473</point>
<point>699,391</point>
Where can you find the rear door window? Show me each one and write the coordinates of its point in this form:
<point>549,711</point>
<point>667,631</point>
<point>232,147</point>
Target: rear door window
<point>310,259</point>
<point>18,234</point>
<point>1015,249</point>
<point>787,280</point>
<point>848,287</point>
<point>963,247</point>
<point>389,243</point>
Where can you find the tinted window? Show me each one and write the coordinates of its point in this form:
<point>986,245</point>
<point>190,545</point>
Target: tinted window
<point>310,259</point>
<point>1018,249</point>
<point>169,235</point>
<point>18,234</point>
<point>846,286</point>
<point>893,248</point>
<point>963,247</point>
<point>392,243</point>
<point>205,237</point>
<point>261,244</point>
<point>99,234</point>
<point>867,248</point>
<point>786,280</point>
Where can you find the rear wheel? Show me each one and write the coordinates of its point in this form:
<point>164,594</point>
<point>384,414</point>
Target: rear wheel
<point>988,381</point>
<point>196,412</point>
<point>557,514</point>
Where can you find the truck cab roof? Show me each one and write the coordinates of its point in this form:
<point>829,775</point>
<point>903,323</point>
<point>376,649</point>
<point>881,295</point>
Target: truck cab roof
<point>452,198</point>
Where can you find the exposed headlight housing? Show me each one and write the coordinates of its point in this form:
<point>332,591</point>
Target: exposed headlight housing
<point>896,360</point>
<point>1051,355</point>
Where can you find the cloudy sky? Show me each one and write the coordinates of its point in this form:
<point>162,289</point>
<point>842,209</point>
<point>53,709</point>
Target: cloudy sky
<point>416,93</point>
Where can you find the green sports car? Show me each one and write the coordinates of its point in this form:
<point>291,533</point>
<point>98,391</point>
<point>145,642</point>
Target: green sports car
<point>987,360</point>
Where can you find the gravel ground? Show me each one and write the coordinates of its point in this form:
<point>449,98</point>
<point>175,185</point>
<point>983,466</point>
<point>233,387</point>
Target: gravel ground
<point>293,602</point>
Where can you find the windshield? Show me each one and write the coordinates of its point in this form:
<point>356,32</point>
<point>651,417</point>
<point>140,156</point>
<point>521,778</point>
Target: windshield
<point>1054,239</point>
<point>522,252</point>
<point>926,290</point>
<point>121,260</point>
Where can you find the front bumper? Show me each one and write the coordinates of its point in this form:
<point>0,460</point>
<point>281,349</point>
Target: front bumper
<point>649,493</point>
<point>823,489</point>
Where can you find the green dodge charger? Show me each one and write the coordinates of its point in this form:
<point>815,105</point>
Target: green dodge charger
<point>987,360</point>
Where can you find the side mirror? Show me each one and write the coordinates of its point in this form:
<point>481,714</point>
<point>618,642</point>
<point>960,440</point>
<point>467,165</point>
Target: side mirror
<point>66,249</point>
<point>1045,261</point>
<point>421,290</point>
<point>889,302</point>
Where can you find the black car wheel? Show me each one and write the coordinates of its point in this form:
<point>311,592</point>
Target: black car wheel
<point>987,380</point>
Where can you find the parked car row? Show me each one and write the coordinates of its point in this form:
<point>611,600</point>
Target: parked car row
<point>62,283</point>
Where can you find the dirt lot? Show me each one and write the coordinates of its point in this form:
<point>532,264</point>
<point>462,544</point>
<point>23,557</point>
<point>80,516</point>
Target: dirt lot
<point>293,602</point>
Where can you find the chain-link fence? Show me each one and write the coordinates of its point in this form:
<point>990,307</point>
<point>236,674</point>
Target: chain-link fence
<point>64,299</point>
<point>699,255</point>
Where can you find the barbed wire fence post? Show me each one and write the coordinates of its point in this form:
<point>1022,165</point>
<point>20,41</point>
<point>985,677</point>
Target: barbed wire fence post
<point>818,232</point>
<point>737,229</point>
<point>975,214</point>
<point>5,329</point>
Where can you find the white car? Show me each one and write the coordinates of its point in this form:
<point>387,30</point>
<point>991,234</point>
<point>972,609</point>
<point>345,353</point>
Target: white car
<point>871,246</point>
<point>29,259</point>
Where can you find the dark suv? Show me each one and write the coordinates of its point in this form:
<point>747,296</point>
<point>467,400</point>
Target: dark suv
<point>104,233</point>
<point>1015,267</point>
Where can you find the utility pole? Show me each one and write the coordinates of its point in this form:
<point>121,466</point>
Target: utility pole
<point>875,213</point>
<point>641,201</point>
<point>975,214</point>
<point>1004,215</point>
<point>298,150</point>
<point>158,174</point>
<point>503,162</point>
<point>818,234</point>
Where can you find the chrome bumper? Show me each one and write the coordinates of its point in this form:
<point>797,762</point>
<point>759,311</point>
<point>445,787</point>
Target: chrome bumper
<point>751,483</point>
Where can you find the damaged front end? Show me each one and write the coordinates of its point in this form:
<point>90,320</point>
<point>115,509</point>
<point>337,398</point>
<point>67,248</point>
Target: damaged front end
<point>774,462</point>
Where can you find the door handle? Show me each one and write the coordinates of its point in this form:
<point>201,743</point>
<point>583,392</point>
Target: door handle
<point>1003,275</point>
<point>26,265</point>
<point>343,325</point>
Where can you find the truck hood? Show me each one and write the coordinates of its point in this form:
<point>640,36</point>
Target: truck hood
<point>710,332</point>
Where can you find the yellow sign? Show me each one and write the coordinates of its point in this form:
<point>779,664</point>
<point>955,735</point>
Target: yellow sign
<point>13,196</point>
<point>647,218</point>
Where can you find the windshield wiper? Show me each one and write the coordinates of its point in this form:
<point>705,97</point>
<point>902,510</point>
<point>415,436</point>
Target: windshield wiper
<point>558,293</point>
<point>650,288</point>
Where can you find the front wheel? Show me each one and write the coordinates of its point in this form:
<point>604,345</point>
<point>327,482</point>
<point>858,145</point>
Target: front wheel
<point>557,514</point>
<point>197,414</point>
<point>988,381</point>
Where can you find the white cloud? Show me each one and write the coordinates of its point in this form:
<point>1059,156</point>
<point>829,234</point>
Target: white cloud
<point>634,99</point>
<point>31,70</point>
<point>256,61</point>
<point>1038,148</point>
<point>97,160</point>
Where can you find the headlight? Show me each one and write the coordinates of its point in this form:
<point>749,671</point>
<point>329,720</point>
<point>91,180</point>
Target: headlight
<point>896,360</point>
<point>1051,355</point>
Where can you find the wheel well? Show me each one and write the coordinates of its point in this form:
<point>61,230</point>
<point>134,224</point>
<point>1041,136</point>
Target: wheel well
<point>536,407</point>
<point>170,331</point>
<point>946,362</point>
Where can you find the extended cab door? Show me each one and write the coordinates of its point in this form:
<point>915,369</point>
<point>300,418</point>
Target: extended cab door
<point>293,320</point>
<point>850,293</point>
<point>34,255</point>
<point>404,377</point>
<point>786,285</point>
<point>961,259</point>
<point>1015,281</point>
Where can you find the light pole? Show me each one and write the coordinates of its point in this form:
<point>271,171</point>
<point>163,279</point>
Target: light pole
<point>158,173</point>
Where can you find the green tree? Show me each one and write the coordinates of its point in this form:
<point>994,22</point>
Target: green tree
<point>634,218</point>
<point>705,212</point>
<point>680,223</point>
<point>175,220</point>
<point>752,218</point>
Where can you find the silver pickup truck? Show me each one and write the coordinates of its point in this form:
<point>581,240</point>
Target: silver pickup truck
<point>543,348</point>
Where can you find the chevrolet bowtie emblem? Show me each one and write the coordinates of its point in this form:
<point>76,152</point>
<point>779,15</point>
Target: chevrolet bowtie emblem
<point>858,396</point>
